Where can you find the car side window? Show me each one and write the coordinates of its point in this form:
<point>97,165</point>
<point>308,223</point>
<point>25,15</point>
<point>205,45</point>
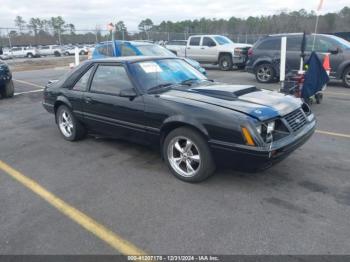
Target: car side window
<point>294,43</point>
<point>195,41</point>
<point>207,41</point>
<point>127,51</point>
<point>81,85</point>
<point>110,79</point>
<point>270,44</point>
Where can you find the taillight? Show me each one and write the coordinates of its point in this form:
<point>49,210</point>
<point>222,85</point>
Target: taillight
<point>250,51</point>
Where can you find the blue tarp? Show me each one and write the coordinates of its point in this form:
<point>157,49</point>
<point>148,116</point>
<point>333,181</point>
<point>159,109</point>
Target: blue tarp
<point>315,77</point>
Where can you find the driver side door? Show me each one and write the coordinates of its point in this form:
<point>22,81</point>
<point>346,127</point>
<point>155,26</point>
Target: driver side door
<point>106,111</point>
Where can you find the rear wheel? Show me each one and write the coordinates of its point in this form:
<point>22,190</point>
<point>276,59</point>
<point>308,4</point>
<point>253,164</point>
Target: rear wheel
<point>346,77</point>
<point>9,90</point>
<point>187,155</point>
<point>225,62</point>
<point>70,128</point>
<point>30,55</point>
<point>265,73</point>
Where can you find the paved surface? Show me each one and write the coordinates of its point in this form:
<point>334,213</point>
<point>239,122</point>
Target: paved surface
<point>300,206</point>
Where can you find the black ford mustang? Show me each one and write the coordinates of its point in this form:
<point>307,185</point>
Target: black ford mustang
<point>166,102</point>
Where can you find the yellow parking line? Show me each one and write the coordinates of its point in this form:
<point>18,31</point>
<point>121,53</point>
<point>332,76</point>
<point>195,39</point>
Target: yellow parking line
<point>332,133</point>
<point>111,238</point>
<point>29,83</point>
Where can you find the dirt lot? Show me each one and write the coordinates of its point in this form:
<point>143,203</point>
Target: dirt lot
<point>299,206</point>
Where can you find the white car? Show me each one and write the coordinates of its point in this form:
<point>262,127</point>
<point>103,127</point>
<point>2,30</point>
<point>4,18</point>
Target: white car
<point>176,46</point>
<point>20,52</point>
<point>70,50</point>
<point>215,49</point>
<point>50,50</point>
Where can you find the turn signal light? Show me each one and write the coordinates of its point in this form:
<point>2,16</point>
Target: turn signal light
<point>247,137</point>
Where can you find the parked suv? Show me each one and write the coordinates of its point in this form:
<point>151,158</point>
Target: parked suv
<point>21,52</point>
<point>50,50</point>
<point>265,52</point>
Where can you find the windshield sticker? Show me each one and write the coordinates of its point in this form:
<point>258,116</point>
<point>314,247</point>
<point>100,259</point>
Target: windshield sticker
<point>150,67</point>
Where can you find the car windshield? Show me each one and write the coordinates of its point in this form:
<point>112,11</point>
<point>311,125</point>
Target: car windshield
<point>222,40</point>
<point>154,50</point>
<point>164,72</point>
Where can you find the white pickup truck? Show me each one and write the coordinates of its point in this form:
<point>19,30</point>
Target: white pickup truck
<point>215,49</point>
<point>20,52</point>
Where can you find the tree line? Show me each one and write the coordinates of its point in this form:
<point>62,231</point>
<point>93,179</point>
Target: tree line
<point>57,30</point>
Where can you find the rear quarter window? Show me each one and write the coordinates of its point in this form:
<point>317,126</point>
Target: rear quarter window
<point>270,44</point>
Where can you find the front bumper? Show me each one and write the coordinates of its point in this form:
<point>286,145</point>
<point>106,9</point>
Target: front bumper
<point>239,60</point>
<point>258,158</point>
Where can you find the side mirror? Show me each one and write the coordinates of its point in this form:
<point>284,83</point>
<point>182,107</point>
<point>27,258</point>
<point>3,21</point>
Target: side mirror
<point>212,44</point>
<point>128,92</point>
<point>334,50</point>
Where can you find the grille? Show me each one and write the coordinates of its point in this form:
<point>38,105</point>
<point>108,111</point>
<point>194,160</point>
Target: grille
<point>296,119</point>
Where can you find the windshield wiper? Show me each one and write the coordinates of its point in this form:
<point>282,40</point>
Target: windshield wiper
<point>160,87</point>
<point>189,81</point>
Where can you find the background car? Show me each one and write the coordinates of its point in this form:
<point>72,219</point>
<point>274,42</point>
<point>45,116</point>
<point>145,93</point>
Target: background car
<point>162,101</point>
<point>70,50</point>
<point>6,83</point>
<point>176,46</point>
<point>21,52</point>
<point>55,50</point>
<point>266,51</point>
<point>217,50</point>
<point>137,48</point>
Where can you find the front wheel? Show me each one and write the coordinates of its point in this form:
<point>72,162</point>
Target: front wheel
<point>9,90</point>
<point>225,62</point>
<point>346,77</point>
<point>264,73</point>
<point>188,155</point>
<point>70,128</point>
<point>30,55</point>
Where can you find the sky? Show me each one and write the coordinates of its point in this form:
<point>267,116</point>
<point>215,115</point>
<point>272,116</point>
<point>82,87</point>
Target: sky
<point>88,14</point>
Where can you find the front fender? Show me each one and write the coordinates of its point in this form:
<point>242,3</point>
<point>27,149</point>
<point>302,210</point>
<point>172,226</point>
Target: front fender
<point>184,120</point>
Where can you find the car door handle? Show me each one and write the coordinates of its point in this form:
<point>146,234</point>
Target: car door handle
<point>188,47</point>
<point>88,100</point>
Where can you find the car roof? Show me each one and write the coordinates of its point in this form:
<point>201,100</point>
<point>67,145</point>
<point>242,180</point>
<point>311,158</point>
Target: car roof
<point>131,59</point>
<point>135,43</point>
<point>205,35</point>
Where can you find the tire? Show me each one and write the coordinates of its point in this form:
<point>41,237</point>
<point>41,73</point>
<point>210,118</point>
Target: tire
<point>70,128</point>
<point>225,62</point>
<point>265,73</point>
<point>30,55</point>
<point>66,54</point>
<point>346,77</point>
<point>81,53</point>
<point>56,53</point>
<point>9,90</point>
<point>193,164</point>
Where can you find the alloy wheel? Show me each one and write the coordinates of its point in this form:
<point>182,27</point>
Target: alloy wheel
<point>65,123</point>
<point>264,74</point>
<point>347,78</point>
<point>184,156</point>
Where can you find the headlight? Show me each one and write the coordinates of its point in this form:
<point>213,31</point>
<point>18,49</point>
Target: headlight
<point>265,130</point>
<point>270,127</point>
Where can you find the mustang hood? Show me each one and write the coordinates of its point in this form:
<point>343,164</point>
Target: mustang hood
<point>258,103</point>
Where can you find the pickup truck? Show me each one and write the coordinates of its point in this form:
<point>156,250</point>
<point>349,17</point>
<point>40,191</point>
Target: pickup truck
<point>215,49</point>
<point>21,52</point>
